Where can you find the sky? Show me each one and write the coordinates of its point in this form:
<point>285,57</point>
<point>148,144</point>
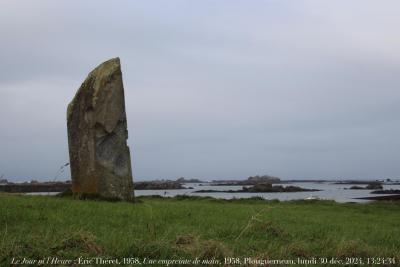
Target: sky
<point>214,89</point>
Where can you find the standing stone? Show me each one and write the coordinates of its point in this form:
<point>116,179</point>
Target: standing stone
<point>97,133</point>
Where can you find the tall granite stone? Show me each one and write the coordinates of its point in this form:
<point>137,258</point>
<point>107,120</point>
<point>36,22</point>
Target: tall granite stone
<point>97,133</point>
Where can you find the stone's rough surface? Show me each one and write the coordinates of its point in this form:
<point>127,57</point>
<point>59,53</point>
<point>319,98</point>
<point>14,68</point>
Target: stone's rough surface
<point>97,133</point>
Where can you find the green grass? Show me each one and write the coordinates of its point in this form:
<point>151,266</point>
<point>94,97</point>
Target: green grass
<point>156,228</point>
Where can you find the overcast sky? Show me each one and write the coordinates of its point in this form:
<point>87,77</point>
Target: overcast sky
<point>214,89</point>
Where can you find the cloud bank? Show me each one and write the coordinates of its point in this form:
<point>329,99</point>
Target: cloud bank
<point>214,89</point>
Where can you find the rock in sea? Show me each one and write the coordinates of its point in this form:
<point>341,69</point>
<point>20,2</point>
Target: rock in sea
<point>97,135</point>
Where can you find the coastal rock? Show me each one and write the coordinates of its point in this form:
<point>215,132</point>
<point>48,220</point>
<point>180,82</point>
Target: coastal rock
<point>387,191</point>
<point>97,135</point>
<point>262,188</point>
<point>158,185</point>
<point>35,187</point>
<point>184,180</point>
<point>252,180</point>
<point>263,179</point>
<point>370,186</point>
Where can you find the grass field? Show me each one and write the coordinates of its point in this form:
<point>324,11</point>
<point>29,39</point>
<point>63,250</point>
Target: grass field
<point>37,227</point>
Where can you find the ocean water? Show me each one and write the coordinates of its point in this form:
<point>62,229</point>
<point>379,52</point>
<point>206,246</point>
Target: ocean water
<point>329,191</point>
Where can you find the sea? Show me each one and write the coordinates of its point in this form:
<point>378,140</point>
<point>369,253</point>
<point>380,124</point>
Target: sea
<point>328,191</point>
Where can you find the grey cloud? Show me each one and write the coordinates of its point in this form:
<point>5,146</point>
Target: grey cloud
<point>214,89</point>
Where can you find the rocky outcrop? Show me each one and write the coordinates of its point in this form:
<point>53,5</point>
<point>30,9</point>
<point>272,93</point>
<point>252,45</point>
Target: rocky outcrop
<point>263,179</point>
<point>387,191</point>
<point>267,187</point>
<point>97,136</point>
<point>262,188</point>
<point>252,180</point>
<point>374,185</point>
<point>382,198</point>
<point>35,187</point>
<point>158,185</point>
<point>184,180</point>
<point>370,186</point>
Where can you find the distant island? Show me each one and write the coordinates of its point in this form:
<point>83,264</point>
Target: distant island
<point>252,180</point>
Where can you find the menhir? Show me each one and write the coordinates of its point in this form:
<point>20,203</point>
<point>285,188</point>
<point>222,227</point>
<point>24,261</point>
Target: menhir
<point>97,135</point>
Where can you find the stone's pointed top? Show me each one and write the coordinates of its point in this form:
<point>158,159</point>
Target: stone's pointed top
<point>98,75</point>
<point>106,68</point>
<point>114,60</point>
